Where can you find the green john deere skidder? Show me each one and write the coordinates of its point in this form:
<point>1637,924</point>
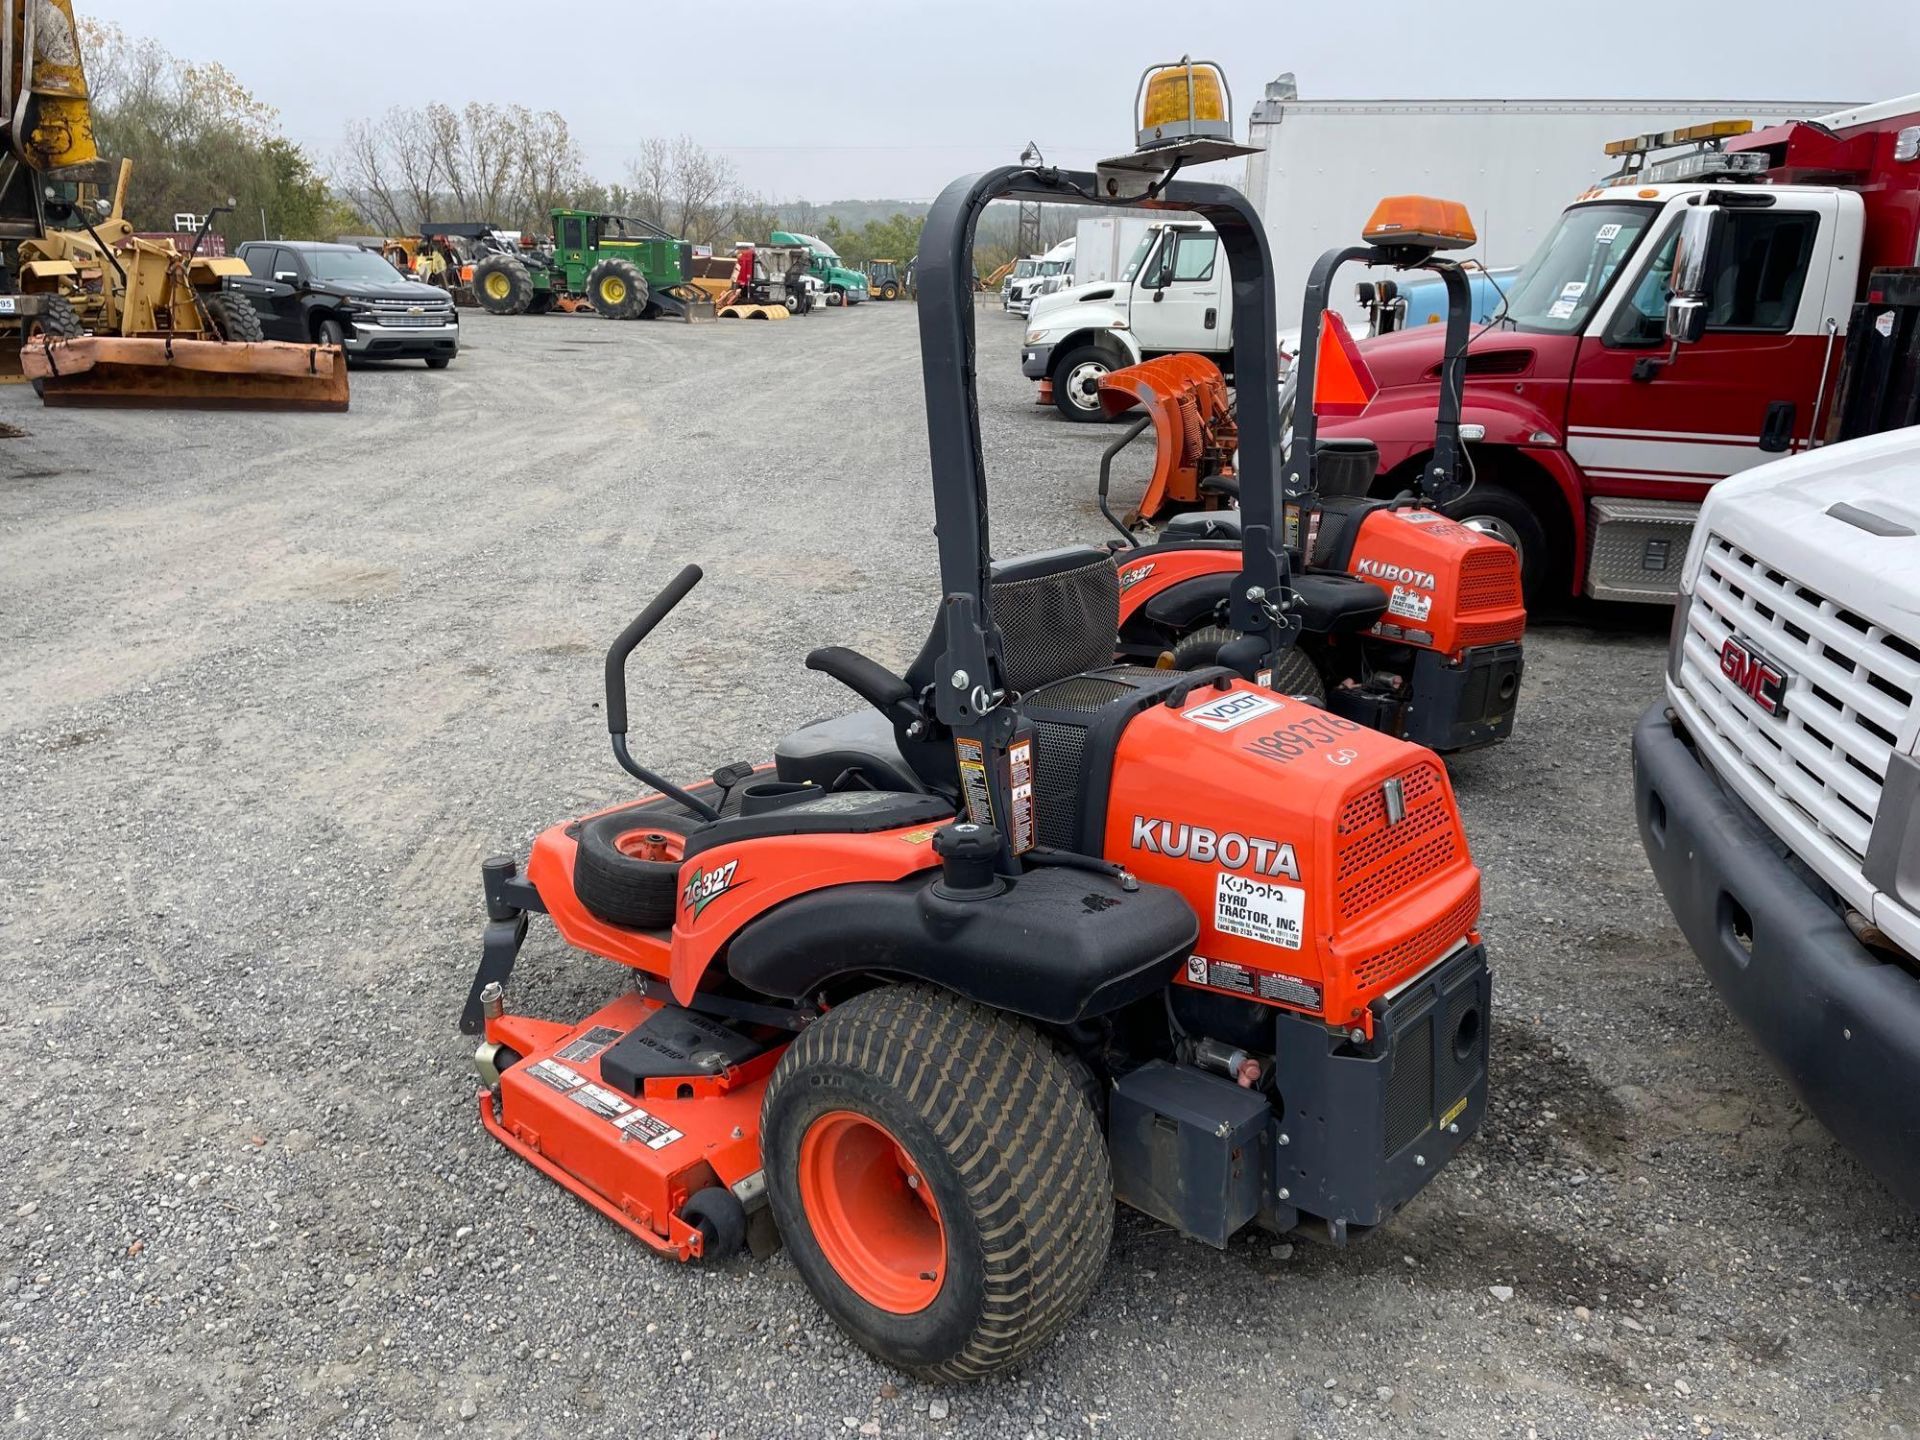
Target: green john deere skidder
<point>623,267</point>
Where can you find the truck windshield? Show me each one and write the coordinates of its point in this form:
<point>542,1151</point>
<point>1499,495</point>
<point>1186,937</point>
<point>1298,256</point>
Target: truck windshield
<point>1139,256</point>
<point>342,265</point>
<point>1023,268</point>
<point>1570,273</point>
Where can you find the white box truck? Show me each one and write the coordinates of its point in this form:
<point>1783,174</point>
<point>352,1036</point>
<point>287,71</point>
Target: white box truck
<point>1515,164</point>
<point>1321,168</point>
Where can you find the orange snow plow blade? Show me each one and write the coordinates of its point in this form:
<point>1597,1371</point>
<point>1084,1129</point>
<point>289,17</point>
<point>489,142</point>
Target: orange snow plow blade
<point>110,370</point>
<point>1193,431</point>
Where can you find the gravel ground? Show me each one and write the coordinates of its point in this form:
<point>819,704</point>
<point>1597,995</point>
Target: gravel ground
<point>277,683</point>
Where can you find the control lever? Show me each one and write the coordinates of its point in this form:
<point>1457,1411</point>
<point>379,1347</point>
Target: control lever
<point>870,680</point>
<point>623,646</point>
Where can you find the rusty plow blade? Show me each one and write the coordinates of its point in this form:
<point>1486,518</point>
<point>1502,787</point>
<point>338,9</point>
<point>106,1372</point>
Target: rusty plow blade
<point>108,370</point>
<point>689,303</point>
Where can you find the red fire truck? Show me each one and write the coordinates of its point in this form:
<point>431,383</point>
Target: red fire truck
<point>1595,419</point>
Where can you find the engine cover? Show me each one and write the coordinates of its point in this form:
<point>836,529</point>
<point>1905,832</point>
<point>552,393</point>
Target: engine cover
<point>1448,588</point>
<point>1326,861</point>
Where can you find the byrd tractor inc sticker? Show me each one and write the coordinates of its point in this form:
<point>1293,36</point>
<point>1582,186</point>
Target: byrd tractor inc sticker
<point>1257,910</point>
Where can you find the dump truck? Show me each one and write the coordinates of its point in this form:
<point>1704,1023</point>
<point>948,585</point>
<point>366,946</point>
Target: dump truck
<point>623,267</point>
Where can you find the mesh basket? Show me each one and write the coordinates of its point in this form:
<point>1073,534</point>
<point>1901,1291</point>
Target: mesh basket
<point>1060,624</point>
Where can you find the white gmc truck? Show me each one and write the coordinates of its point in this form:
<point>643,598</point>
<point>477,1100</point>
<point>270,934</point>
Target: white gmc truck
<point>1777,781</point>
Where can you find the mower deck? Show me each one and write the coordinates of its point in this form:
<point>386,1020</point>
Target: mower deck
<point>634,1147</point>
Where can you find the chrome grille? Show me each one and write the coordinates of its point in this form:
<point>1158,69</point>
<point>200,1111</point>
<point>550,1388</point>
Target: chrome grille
<point>1852,690</point>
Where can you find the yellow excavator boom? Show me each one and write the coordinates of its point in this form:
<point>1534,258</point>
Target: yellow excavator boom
<point>45,115</point>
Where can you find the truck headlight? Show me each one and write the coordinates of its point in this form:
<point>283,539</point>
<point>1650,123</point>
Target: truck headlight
<point>1034,337</point>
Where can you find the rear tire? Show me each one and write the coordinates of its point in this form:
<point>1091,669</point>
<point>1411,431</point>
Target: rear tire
<point>503,285</point>
<point>939,1179</point>
<point>617,289</point>
<point>439,362</point>
<point>233,319</point>
<point>1295,675</point>
<point>889,291</point>
<point>1076,383</point>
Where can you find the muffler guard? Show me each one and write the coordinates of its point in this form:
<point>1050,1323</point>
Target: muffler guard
<point>111,370</point>
<point>1367,1125</point>
<point>1464,704</point>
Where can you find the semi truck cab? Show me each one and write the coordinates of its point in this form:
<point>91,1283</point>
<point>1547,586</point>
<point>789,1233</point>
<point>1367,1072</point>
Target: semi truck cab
<point>1172,295</point>
<point>1601,431</point>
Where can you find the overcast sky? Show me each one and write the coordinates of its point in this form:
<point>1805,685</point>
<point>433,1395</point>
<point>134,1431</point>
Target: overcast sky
<point>891,101</point>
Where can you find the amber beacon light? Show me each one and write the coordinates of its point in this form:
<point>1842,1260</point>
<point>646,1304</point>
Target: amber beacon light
<point>1187,100</point>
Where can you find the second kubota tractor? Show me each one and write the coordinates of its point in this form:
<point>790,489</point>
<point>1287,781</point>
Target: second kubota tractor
<point>1032,932</point>
<point>1411,623</point>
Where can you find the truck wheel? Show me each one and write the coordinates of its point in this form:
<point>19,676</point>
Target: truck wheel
<point>1295,675</point>
<point>330,332</point>
<point>1076,382</point>
<point>1503,514</point>
<point>617,289</point>
<point>233,318</point>
<point>503,285</point>
<point>939,1180</point>
<point>889,291</point>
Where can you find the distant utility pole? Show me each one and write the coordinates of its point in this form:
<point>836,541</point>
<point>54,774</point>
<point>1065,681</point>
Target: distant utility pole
<point>1028,240</point>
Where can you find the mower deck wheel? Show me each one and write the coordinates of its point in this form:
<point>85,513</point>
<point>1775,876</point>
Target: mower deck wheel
<point>716,1212</point>
<point>939,1178</point>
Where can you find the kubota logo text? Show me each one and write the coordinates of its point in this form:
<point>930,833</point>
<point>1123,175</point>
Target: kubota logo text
<point>1395,574</point>
<point>1231,851</point>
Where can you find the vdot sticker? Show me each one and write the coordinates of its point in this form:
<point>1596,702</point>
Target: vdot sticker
<point>1233,711</point>
<point>1255,910</point>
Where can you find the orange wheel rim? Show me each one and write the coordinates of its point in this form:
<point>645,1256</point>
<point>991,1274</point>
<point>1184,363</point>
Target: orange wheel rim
<point>872,1212</point>
<point>650,845</point>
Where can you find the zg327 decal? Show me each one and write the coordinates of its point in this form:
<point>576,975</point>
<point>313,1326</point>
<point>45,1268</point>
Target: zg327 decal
<point>706,886</point>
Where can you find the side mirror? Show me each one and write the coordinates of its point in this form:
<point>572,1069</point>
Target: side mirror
<point>1691,286</point>
<point>1686,319</point>
<point>286,277</point>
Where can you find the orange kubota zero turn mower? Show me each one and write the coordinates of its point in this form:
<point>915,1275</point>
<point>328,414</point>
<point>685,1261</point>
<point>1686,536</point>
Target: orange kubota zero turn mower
<point>1429,647</point>
<point>1030,933</point>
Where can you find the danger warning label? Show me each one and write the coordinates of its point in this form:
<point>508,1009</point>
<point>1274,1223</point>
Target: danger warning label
<point>553,1074</point>
<point>1255,910</point>
<point>600,1100</point>
<point>648,1130</point>
<point>590,1044</point>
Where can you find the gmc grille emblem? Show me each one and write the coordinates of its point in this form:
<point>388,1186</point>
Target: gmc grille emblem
<point>1755,676</point>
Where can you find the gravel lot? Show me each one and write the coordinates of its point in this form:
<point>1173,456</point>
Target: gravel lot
<point>277,683</point>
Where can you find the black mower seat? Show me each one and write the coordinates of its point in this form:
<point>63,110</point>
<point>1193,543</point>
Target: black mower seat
<point>1338,604</point>
<point>1203,525</point>
<point>826,749</point>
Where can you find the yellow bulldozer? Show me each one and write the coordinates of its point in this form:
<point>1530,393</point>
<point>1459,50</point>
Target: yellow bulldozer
<point>92,313</point>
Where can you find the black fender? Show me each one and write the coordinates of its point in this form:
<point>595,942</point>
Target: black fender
<point>1057,944</point>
